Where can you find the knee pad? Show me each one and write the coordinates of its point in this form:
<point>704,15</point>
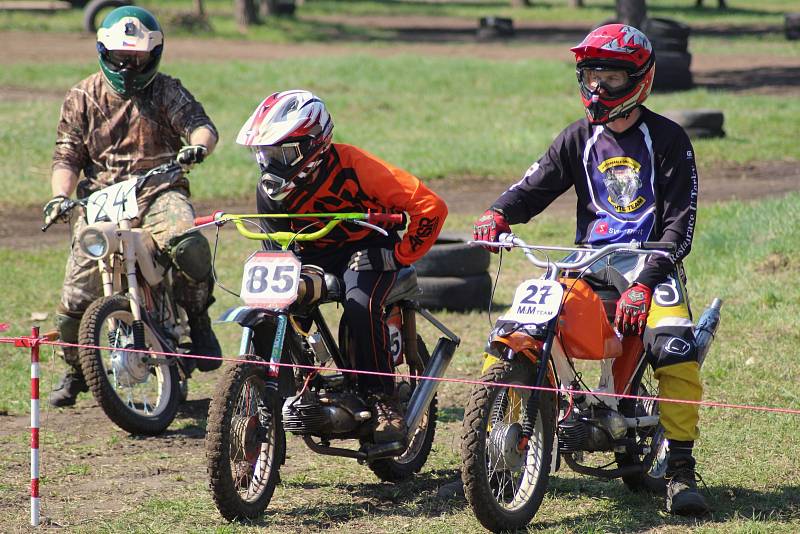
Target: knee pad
<point>67,327</point>
<point>191,254</point>
<point>671,349</point>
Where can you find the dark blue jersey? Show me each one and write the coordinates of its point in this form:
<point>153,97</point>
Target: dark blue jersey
<point>639,185</point>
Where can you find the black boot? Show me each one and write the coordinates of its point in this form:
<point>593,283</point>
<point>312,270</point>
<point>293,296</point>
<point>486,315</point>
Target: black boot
<point>204,342</point>
<point>683,498</point>
<point>67,390</point>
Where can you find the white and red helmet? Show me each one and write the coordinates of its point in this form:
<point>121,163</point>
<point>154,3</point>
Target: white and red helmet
<point>289,133</point>
<point>615,47</point>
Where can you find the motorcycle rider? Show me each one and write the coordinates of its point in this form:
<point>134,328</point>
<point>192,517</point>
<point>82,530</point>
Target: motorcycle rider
<point>635,177</point>
<point>114,125</point>
<point>303,171</point>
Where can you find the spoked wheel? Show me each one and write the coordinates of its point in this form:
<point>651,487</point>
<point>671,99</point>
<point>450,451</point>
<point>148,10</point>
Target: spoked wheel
<point>505,478</point>
<point>652,438</point>
<point>245,443</point>
<point>416,454</point>
<point>136,390</point>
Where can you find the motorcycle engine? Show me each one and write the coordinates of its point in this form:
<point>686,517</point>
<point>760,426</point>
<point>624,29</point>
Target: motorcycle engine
<point>324,414</point>
<point>593,430</point>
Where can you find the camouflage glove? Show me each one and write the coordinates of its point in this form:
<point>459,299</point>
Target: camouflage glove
<point>374,259</point>
<point>191,154</point>
<point>632,309</point>
<point>52,210</point>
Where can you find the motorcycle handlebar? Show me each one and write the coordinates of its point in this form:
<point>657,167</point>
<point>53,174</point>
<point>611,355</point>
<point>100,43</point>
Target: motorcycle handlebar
<point>390,218</point>
<point>207,219</point>
<point>66,208</point>
<point>658,245</point>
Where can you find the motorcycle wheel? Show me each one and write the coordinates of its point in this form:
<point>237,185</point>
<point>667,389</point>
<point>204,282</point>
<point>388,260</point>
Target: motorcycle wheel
<point>245,443</point>
<point>503,486</point>
<point>652,478</point>
<point>401,467</point>
<point>140,397</point>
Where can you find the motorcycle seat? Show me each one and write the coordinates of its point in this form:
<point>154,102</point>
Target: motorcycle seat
<point>405,286</point>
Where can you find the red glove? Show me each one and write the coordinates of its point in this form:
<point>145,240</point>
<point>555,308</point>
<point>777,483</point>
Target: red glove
<point>489,226</point>
<point>632,309</point>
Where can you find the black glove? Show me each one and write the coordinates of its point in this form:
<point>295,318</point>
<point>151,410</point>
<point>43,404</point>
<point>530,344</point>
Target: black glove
<point>191,154</point>
<point>52,210</point>
<point>374,259</point>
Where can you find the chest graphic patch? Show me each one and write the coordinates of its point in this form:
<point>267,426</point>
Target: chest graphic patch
<point>622,181</point>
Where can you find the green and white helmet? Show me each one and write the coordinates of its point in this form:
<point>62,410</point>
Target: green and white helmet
<point>130,43</point>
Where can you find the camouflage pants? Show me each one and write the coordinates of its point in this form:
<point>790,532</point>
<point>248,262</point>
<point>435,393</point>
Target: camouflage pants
<point>169,215</point>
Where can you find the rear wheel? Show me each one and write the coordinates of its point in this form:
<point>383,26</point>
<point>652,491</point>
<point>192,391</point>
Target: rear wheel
<point>419,447</point>
<point>245,443</point>
<point>136,390</point>
<point>655,460</point>
<point>503,484</point>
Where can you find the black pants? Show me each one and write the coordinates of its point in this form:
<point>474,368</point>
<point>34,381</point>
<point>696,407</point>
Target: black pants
<point>365,299</point>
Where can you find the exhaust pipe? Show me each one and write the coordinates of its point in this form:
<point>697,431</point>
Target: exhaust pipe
<point>706,328</point>
<point>423,394</point>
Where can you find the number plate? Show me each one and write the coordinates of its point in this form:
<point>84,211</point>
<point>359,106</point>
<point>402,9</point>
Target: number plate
<point>535,302</point>
<point>113,203</point>
<point>270,279</point>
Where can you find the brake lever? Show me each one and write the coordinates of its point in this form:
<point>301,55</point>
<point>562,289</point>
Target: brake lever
<point>369,225</point>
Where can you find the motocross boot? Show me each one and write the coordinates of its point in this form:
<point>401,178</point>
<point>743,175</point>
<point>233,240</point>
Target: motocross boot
<point>683,498</point>
<point>204,342</point>
<point>72,383</point>
<point>389,422</point>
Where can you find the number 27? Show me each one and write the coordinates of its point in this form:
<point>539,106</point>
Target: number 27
<point>532,291</point>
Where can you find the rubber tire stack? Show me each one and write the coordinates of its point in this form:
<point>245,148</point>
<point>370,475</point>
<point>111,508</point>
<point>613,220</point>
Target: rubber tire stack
<point>93,9</point>
<point>792,26</point>
<point>699,123</point>
<point>670,40</point>
<point>454,276</point>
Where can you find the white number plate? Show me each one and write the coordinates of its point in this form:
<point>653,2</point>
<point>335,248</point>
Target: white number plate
<point>270,279</point>
<point>535,302</point>
<point>113,203</point>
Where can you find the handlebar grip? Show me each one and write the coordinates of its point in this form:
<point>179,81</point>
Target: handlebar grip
<point>659,245</point>
<point>390,218</point>
<point>198,221</point>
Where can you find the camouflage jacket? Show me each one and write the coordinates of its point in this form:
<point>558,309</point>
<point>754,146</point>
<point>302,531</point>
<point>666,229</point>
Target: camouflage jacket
<point>112,139</point>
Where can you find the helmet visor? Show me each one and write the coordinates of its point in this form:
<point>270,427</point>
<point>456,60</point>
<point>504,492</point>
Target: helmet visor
<point>278,156</point>
<point>613,81</point>
<point>127,59</point>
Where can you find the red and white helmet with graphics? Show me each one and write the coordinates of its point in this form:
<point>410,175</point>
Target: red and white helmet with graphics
<point>615,47</point>
<point>289,133</point>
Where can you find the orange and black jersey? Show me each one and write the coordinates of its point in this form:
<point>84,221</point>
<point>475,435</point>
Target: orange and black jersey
<point>353,180</point>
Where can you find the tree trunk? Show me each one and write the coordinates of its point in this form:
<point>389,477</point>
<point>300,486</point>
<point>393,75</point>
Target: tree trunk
<point>245,12</point>
<point>520,3</point>
<point>631,12</point>
<point>575,3</point>
<point>198,9</point>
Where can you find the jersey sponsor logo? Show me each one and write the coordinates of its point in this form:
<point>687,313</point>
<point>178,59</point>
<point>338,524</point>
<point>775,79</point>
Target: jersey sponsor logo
<point>622,181</point>
<point>424,231</point>
<point>601,228</point>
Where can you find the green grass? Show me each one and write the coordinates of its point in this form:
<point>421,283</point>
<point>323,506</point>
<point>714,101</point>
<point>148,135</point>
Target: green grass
<point>744,252</point>
<point>475,117</point>
<point>304,27</point>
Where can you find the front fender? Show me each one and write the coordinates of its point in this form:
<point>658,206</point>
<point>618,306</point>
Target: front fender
<point>245,316</point>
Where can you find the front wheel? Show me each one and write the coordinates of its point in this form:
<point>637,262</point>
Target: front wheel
<point>504,477</point>
<point>136,390</point>
<point>245,443</point>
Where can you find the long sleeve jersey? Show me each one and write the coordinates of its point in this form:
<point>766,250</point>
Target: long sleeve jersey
<point>353,180</point>
<point>639,185</point>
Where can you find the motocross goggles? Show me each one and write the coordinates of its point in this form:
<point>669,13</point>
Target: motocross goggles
<point>615,82</point>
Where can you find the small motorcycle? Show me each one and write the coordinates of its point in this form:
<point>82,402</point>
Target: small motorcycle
<point>514,437</point>
<point>256,403</point>
<point>138,391</point>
